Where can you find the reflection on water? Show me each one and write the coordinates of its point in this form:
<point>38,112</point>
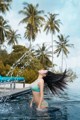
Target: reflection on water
<point>64,107</point>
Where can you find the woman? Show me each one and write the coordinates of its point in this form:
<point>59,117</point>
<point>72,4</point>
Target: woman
<point>54,83</point>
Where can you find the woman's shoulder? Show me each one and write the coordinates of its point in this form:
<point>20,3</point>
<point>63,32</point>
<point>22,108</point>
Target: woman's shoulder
<point>41,81</point>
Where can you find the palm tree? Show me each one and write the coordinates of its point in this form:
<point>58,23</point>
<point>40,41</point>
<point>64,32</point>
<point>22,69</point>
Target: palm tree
<point>33,20</point>
<point>13,37</point>
<point>4,27</point>
<point>30,33</point>
<point>51,26</point>
<point>43,54</point>
<point>62,47</point>
<point>5,5</point>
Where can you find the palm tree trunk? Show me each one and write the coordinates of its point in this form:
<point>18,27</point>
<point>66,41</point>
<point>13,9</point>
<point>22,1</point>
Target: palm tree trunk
<point>52,51</point>
<point>0,47</point>
<point>30,43</point>
<point>62,63</point>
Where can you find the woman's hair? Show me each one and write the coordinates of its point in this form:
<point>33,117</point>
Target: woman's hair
<point>55,82</point>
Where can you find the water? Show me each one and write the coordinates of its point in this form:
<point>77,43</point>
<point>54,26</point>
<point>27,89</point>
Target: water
<point>64,107</point>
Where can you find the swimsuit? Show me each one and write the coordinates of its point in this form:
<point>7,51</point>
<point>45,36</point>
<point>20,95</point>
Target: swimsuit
<point>35,88</point>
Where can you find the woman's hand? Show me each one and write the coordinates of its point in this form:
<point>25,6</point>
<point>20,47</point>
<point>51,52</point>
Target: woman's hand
<point>38,107</point>
<point>31,102</point>
<point>31,105</point>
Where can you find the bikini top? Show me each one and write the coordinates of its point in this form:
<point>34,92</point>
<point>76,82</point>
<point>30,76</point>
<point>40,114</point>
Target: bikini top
<point>35,87</point>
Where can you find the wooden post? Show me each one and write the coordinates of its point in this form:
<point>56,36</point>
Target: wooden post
<point>11,85</point>
<point>24,84</point>
<point>14,85</point>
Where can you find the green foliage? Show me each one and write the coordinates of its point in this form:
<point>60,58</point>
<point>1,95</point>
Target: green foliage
<point>4,27</point>
<point>62,45</point>
<point>3,55</point>
<point>43,54</point>
<point>5,5</point>
<point>16,71</point>
<point>17,52</point>
<point>7,68</point>
<point>52,24</point>
<point>32,19</point>
<point>71,75</point>
<point>13,37</point>
<point>2,68</point>
<point>19,48</point>
<point>34,64</point>
<point>30,75</point>
<point>29,72</point>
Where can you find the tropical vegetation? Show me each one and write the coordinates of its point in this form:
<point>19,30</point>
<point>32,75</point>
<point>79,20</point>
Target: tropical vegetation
<point>5,5</point>
<point>52,26</point>
<point>4,27</point>
<point>12,37</point>
<point>40,57</point>
<point>33,20</point>
<point>43,54</point>
<point>62,46</point>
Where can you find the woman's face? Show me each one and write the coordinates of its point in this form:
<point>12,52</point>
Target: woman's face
<point>42,72</point>
<point>44,75</point>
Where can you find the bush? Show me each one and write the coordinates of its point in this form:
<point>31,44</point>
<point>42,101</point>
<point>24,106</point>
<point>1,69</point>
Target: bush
<point>71,75</point>
<point>30,75</point>
<point>2,69</point>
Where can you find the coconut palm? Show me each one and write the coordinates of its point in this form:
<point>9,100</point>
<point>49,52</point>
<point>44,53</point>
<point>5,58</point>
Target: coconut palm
<point>33,20</point>
<point>4,27</point>
<point>30,33</point>
<point>43,54</point>
<point>52,26</point>
<point>5,5</point>
<point>13,37</point>
<point>62,47</point>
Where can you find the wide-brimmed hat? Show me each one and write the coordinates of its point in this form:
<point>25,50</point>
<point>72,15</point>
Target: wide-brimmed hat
<point>43,71</point>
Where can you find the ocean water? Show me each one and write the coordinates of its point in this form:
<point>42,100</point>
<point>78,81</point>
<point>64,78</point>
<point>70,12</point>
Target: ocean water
<point>63,107</point>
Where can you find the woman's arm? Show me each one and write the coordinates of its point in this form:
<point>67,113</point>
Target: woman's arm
<point>41,85</point>
<point>31,102</point>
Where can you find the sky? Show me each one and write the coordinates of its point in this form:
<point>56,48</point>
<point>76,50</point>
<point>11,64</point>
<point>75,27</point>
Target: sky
<point>68,10</point>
